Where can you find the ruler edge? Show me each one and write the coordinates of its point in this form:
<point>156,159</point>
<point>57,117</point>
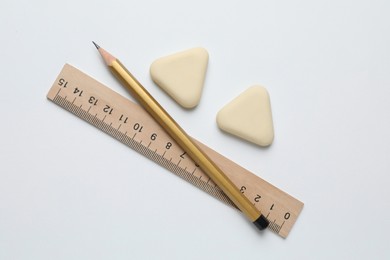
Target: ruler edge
<point>299,204</point>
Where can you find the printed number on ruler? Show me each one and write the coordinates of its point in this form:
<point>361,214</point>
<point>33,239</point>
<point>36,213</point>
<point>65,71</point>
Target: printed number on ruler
<point>133,126</point>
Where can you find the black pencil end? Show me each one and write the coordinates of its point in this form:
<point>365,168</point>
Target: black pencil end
<point>261,223</point>
<point>97,46</point>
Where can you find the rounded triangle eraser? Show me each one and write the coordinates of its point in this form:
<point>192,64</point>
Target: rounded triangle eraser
<point>181,75</point>
<point>249,116</point>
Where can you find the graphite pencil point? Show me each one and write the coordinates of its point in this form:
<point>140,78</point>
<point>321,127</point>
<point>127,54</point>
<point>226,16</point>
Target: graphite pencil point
<point>97,46</point>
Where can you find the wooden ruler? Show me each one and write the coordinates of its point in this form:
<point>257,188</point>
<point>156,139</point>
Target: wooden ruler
<point>131,124</point>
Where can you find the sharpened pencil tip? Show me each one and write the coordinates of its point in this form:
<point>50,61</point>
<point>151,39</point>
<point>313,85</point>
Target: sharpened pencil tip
<point>108,58</point>
<point>97,46</point>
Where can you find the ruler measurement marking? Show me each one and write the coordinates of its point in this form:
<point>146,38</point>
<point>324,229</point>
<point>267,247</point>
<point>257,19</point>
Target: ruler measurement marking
<point>281,226</point>
<point>286,212</point>
<point>58,92</point>
<point>272,226</point>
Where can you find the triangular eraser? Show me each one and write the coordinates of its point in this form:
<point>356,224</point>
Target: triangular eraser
<point>181,75</point>
<point>249,116</point>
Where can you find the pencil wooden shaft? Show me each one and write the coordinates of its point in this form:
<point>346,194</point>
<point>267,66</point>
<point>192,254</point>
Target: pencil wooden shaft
<point>184,140</point>
<point>179,135</point>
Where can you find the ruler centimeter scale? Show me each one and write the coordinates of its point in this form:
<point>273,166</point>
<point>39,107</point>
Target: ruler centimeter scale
<point>133,126</point>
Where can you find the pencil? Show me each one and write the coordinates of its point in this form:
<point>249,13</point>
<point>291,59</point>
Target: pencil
<point>184,140</point>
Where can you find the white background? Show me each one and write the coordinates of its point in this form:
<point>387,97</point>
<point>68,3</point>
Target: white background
<point>68,191</point>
